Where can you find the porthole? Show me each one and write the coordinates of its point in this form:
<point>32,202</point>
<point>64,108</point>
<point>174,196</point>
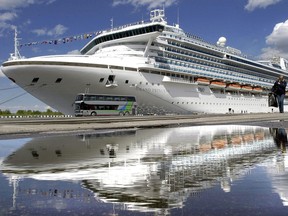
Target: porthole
<point>58,80</point>
<point>35,80</point>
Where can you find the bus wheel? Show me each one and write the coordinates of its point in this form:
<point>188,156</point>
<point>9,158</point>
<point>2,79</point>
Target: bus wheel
<point>121,114</point>
<point>127,113</point>
<point>93,114</point>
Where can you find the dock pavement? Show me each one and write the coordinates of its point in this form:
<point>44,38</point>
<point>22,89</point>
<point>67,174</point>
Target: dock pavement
<point>21,127</point>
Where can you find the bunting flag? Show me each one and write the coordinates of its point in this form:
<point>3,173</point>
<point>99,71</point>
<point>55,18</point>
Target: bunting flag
<point>77,37</point>
<point>63,40</point>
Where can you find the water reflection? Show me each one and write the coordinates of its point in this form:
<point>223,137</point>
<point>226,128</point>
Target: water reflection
<point>280,138</point>
<point>280,177</point>
<point>151,170</point>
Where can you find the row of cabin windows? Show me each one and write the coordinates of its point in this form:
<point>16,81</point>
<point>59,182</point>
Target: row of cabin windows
<point>200,71</point>
<point>219,69</point>
<point>232,67</point>
<point>252,63</point>
<point>211,67</point>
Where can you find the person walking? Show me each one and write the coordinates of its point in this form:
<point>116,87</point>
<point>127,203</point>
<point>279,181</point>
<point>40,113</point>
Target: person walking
<point>279,89</point>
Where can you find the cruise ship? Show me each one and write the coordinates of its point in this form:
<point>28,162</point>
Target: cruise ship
<point>165,68</point>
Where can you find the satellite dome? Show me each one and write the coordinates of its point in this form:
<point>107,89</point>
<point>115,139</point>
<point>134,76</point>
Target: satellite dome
<point>221,41</point>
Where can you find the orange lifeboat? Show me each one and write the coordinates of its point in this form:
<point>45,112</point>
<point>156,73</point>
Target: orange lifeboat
<point>236,140</point>
<point>205,147</point>
<point>202,81</point>
<point>257,89</point>
<point>233,86</point>
<point>246,88</point>
<point>259,136</point>
<point>217,84</point>
<point>248,138</point>
<point>219,143</point>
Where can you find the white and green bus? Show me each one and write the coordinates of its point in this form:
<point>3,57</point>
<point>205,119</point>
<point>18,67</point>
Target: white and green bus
<point>104,105</point>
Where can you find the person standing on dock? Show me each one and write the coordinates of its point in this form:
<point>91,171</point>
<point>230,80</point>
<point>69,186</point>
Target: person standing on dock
<point>279,90</point>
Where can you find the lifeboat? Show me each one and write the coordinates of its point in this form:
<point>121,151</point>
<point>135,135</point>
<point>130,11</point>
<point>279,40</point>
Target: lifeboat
<point>259,136</point>
<point>202,81</point>
<point>236,140</point>
<point>246,88</point>
<point>219,143</point>
<point>205,147</point>
<point>233,86</point>
<point>217,84</point>
<point>248,138</point>
<point>257,89</point>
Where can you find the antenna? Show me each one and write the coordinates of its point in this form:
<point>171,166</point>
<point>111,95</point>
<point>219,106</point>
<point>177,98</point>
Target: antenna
<point>112,23</point>
<point>16,55</point>
<point>178,17</point>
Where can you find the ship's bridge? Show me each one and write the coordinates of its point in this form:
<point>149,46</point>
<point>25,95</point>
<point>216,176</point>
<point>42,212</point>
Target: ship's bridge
<point>91,47</point>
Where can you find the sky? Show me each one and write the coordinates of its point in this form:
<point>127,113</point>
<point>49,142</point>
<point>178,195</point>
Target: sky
<point>259,28</point>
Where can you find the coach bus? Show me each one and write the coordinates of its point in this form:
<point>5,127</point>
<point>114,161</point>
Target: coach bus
<point>104,105</point>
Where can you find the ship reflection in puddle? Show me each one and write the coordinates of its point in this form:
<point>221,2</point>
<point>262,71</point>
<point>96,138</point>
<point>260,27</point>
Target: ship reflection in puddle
<point>149,170</point>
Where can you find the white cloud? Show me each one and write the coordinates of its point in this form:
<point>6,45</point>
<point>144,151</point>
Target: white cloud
<point>13,4</point>
<point>56,31</point>
<point>277,42</point>
<point>150,4</point>
<point>254,4</point>
<point>7,16</point>
<point>8,9</point>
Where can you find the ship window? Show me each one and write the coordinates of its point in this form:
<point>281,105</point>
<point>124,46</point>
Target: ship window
<point>101,80</point>
<point>35,80</point>
<point>58,80</point>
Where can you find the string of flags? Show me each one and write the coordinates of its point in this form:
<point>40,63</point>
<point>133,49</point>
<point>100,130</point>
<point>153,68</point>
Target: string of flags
<point>62,40</point>
<point>77,37</point>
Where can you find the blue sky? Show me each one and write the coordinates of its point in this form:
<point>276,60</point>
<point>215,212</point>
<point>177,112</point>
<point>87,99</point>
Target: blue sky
<point>259,28</point>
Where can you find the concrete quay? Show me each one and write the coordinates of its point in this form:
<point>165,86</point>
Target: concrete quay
<point>11,128</point>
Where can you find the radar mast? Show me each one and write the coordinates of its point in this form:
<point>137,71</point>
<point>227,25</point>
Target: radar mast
<point>16,55</point>
<point>157,15</point>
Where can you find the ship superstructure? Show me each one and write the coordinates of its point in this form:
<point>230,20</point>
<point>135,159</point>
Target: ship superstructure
<point>167,69</point>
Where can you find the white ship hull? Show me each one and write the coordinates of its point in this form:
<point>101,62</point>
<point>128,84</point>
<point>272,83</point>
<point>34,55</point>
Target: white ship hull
<point>154,93</point>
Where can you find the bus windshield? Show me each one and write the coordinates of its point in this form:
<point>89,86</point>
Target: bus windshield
<point>95,104</point>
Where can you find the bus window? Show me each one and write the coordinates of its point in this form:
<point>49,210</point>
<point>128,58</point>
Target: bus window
<point>79,98</point>
<point>130,98</point>
<point>108,98</point>
<point>100,98</point>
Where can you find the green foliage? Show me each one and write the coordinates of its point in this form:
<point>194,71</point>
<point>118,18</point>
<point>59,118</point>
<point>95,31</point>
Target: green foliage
<point>5,112</point>
<point>29,113</point>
